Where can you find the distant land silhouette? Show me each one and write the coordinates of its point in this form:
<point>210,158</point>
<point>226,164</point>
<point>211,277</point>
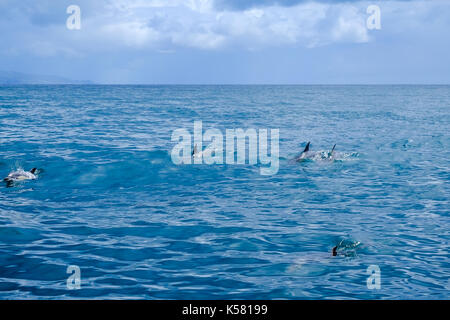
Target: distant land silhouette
<point>11,77</point>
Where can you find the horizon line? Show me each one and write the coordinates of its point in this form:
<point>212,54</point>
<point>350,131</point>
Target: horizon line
<point>224,84</point>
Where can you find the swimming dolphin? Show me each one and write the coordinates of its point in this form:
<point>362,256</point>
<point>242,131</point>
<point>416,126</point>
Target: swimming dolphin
<point>345,248</point>
<point>330,155</point>
<point>196,153</point>
<point>315,155</point>
<point>20,175</point>
<point>334,251</point>
<point>207,151</point>
<point>304,153</point>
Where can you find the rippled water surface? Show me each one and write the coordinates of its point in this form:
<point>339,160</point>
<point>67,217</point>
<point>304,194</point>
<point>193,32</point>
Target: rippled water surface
<point>109,199</point>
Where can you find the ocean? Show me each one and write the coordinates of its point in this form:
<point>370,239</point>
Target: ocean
<point>110,202</point>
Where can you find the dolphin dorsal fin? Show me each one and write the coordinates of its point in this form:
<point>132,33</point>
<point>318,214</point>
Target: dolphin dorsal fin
<point>333,149</point>
<point>334,251</point>
<point>307,147</point>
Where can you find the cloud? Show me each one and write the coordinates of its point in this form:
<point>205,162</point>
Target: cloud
<point>159,34</point>
<point>168,25</point>
<point>247,4</point>
<point>198,24</point>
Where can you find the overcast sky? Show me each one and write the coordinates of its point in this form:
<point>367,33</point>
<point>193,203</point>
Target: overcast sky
<point>228,41</point>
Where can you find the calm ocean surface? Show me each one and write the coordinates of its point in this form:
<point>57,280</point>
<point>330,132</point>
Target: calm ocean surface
<point>109,199</point>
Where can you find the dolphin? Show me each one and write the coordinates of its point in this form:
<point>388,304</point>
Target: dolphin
<point>207,151</point>
<point>334,251</point>
<point>331,153</point>
<point>345,248</point>
<point>304,154</point>
<point>20,175</point>
<point>196,153</point>
<point>315,155</point>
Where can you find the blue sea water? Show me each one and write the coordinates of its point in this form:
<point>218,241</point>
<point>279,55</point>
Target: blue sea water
<point>109,199</point>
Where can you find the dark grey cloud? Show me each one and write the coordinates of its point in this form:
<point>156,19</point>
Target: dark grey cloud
<point>248,4</point>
